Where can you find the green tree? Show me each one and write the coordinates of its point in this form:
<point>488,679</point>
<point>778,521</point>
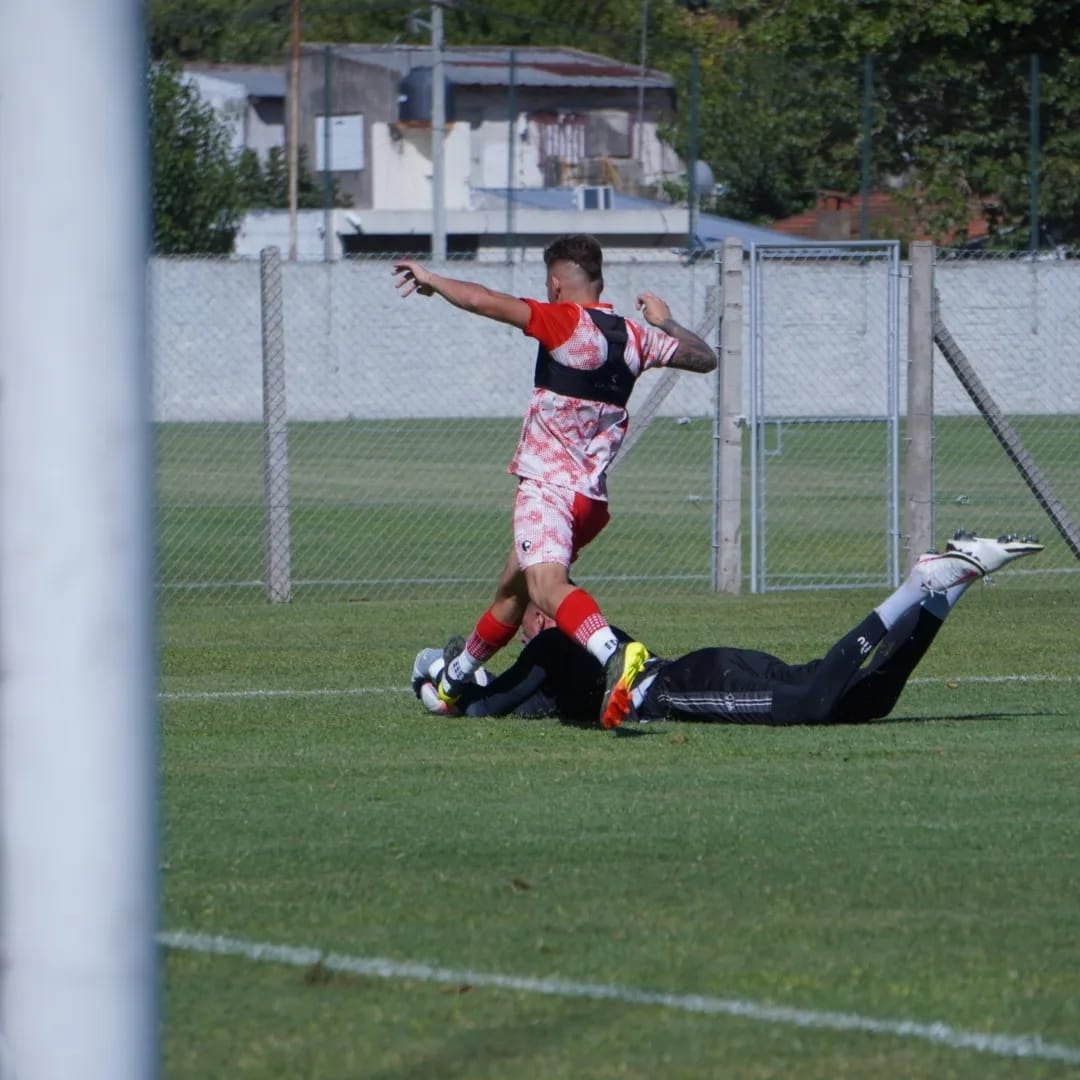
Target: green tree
<point>266,186</point>
<point>780,105</point>
<point>259,31</point>
<point>237,31</point>
<point>951,101</point>
<point>201,186</point>
<point>197,200</point>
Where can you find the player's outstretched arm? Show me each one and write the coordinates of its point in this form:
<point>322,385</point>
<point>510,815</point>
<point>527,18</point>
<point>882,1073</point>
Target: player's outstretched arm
<point>470,296</point>
<point>694,353</point>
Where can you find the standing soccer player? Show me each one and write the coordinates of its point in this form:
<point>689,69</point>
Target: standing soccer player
<point>588,359</point>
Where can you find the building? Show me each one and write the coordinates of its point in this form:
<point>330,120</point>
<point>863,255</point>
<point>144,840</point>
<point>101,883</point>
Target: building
<point>537,142</point>
<point>529,118</point>
<point>249,98</point>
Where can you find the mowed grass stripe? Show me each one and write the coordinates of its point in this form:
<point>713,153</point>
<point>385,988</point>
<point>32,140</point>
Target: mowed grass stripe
<point>921,871</point>
<point>1010,1046</point>
<point>375,513</point>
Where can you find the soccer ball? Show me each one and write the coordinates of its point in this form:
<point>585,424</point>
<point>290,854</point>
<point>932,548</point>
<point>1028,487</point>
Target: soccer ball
<point>428,667</point>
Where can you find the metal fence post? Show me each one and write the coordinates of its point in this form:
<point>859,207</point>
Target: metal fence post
<point>919,474</point>
<point>727,525</point>
<point>276,545</point>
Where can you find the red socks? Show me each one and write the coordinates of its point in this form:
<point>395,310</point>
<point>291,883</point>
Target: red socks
<point>489,637</point>
<point>579,617</point>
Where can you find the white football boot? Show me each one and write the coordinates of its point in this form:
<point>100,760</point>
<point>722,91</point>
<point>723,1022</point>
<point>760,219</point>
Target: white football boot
<point>967,557</point>
<point>991,555</point>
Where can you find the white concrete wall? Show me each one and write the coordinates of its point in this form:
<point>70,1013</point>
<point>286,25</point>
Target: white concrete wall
<point>1018,322</point>
<point>823,336</point>
<point>355,349</point>
<point>270,228</point>
<point>489,142</point>
<point>402,167</point>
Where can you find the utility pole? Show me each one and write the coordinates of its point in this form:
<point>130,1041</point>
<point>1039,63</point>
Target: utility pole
<point>867,137</point>
<point>511,141</point>
<point>438,133</point>
<point>691,166</point>
<point>643,52</point>
<point>328,149</point>
<point>294,125</point>
<point>1033,150</point>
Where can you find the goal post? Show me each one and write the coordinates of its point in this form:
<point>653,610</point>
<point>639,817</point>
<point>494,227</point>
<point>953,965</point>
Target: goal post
<point>79,862</point>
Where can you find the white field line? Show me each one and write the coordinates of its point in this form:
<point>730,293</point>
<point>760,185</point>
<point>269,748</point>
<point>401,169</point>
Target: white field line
<point>223,695</point>
<point>360,691</point>
<point>1007,1046</point>
<point>964,679</point>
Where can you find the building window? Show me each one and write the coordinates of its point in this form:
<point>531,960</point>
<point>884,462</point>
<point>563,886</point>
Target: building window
<point>608,134</point>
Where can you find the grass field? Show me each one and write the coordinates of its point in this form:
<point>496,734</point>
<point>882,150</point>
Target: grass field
<point>351,888</point>
<point>419,510</point>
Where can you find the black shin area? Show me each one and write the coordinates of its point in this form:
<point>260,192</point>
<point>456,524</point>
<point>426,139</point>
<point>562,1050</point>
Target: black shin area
<point>878,686</point>
<point>816,701</point>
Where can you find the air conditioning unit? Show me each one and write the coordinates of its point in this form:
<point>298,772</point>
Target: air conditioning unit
<point>594,197</point>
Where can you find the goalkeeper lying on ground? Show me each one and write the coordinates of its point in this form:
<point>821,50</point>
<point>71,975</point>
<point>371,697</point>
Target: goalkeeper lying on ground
<point>554,676</point>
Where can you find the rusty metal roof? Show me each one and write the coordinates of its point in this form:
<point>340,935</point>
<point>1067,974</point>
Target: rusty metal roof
<point>540,66</point>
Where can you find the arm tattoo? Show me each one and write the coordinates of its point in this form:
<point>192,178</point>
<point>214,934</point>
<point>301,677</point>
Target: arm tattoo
<point>694,352</point>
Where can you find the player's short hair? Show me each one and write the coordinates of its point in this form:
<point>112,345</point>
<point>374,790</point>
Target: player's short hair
<point>582,250</point>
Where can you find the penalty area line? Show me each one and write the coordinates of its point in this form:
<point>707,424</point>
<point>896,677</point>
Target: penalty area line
<point>1007,1046</point>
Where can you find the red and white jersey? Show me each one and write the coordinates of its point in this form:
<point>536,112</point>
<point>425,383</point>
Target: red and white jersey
<point>571,441</point>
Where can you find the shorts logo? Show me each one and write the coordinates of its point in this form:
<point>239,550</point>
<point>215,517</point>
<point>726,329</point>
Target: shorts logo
<point>526,545</point>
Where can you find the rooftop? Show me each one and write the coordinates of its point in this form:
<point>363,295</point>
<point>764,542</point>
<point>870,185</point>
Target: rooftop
<point>259,80</point>
<point>534,66</point>
<point>711,230</point>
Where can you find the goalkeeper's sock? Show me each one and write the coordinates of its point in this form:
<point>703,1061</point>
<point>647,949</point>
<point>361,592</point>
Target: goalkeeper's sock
<point>579,617</point>
<point>912,594</point>
<point>892,609</point>
<point>940,604</point>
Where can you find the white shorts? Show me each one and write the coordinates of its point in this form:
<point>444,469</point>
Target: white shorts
<point>552,524</point>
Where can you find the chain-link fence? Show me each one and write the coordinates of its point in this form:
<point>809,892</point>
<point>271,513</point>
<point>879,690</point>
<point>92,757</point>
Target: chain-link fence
<point>402,417</point>
<point>1007,397</point>
<point>354,445</point>
<point>824,415</point>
